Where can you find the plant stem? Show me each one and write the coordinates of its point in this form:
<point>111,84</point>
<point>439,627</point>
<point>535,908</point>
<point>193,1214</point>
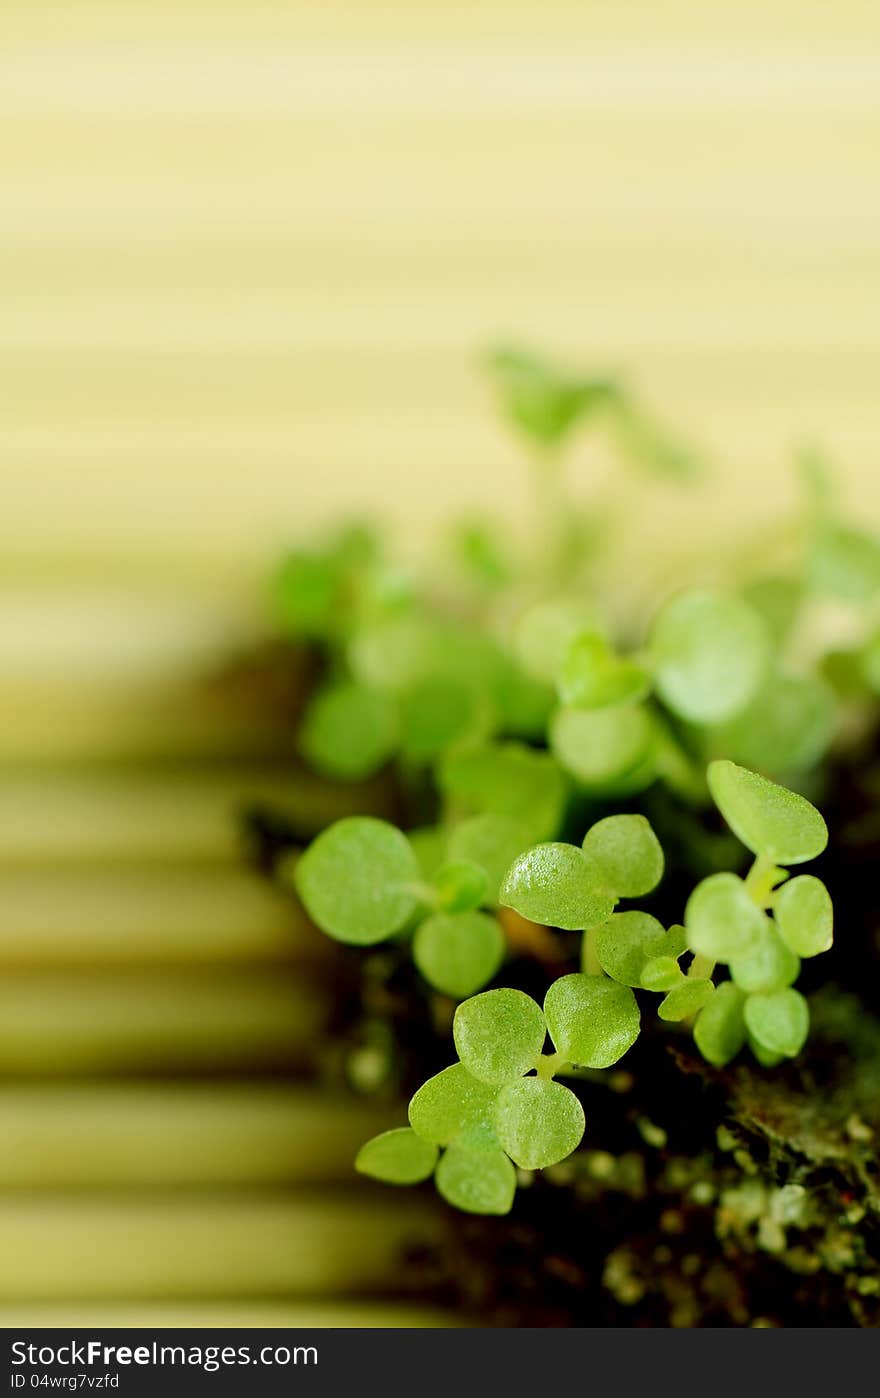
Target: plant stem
<point>549,1064</point>
<point>589,956</point>
<point>760,879</point>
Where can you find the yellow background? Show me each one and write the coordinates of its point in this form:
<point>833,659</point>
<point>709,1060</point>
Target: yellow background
<point>250,252</point>
<point>251,249</point>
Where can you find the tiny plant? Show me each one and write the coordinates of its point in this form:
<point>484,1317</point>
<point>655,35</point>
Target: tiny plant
<point>550,762</point>
<point>500,1105</point>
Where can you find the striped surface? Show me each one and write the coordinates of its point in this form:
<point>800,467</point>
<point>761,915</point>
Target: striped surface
<point>248,255</point>
<point>167,1157</point>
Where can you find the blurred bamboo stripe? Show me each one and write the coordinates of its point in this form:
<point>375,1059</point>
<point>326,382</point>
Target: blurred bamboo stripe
<point>84,722</point>
<point>163,1021</point>
<point>288,1315</point>
<point>183,812</point>
<point>218,1245</point>
<point>247,264</point>
<point>183,1134</point>
<point>142,914</point>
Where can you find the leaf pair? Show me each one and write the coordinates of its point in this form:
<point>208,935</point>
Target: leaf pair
<point>565,886</point>
<point>361,883</point>
<point>591,1020</point>
<point>775,1024</point>
<point>726,920</point>
<point>485,1112</point>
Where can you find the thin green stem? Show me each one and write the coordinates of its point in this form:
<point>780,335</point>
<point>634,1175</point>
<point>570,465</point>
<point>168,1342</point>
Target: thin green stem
<point>549,1064</point>
<point>589,956</point>
<point>760,880</point>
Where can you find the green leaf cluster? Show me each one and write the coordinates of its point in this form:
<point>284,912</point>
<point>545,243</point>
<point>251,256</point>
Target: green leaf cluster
<point>499,1106</point>
<point>508,707</point>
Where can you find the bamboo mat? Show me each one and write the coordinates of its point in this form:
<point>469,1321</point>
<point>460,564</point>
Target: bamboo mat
<point>165,1158</point>
<point>250,254</point>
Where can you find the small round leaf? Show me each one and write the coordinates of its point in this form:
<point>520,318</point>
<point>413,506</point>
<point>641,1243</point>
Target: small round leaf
<point>592,676</point>
<point>505,778</point>
<point>710,649</point>
<point>477,1181</point>
<point>544,634</point>
<point>804,915</point>
<point>493,842</point>
<point>661,973</point>
<point>605,749</point>
<point>846,563</point>
<point>721,919</point>
<point>499,1035</point>
<point>767,965</point>
<point>461,885</point>
<point>626,942</point>
<point>397,1157</point>
<point>628,853</point>
<point>454,1107</point>
<point>779,1022</point>
<point>458,953</point>
<point>769,819</point>
<point>356,879</point>
<point>434,713</point>
<point>348,731</point>
<point>720,1030</point>
<point>559,885</point>
<point>539,1123</point>
<point>766,1059</point>
<point>787,727</point>
<point>592,1020</point>
<point>429,846</point>
<point>686,998</point>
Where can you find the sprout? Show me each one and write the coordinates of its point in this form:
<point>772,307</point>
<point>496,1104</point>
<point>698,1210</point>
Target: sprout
<point>500,1103</point>
<point>760,929</point>
<point>503,708</point>
<point>499,1106</point>
<point>545,403</point>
